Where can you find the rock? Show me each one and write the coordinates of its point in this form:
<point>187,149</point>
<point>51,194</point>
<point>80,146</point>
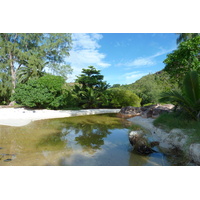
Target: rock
<point>154,143</point>
<point>140,143</point>
<point>177,138</point>
<point>7,160</point>
<point>146,111</point>
<point>194,153</point>
<point>134,136</point>
<point>161,109</point>
<point>130,110</point>
<point>145,150</point>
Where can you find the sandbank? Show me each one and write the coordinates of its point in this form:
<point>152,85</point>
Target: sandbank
<point>22,116</point>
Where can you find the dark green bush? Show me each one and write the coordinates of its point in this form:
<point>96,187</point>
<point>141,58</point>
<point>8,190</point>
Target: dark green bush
<point>45,92</point>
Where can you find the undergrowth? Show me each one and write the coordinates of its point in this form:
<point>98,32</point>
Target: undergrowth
<point>169,121</point>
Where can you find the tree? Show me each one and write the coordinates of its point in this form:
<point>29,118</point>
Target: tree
<point>185,36</point>
<point>90,88</point>
<point>92,78</point>
<point>188,99</point>
<point>5,88</point>
<point>25,55</point>
<point>186,58</point>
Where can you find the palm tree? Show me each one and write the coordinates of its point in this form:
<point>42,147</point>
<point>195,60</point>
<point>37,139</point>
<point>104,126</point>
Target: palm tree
<point>189,98</point>
<point>90,98</point>
<point>30,71</point>
<point>185,36</point>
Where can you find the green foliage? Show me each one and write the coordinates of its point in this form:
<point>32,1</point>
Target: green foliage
<point>185,36</point>
<point>150,87</point>
<point>92,78</point>
<point>118,98</point>
<point>90,88</point>
<point>88,98</point>
<point>45,92</point>
<point>24,56</point>
<point>188,99</point>
<point>5,88</point>
<point>116,85</point>
<point>186,58</point>
<point>169,121</point>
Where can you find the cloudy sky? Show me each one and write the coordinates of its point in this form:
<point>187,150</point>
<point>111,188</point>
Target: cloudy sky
<point>122,57</point>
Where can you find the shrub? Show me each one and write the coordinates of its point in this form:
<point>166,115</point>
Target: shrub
<point>119,98</point>
<point>45,92</point>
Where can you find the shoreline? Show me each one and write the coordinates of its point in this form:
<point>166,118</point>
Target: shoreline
<point>176,138</point>
<point>21,117</point>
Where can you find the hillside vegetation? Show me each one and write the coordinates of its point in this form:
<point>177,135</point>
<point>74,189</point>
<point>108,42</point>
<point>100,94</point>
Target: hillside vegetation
<point>150,87</point>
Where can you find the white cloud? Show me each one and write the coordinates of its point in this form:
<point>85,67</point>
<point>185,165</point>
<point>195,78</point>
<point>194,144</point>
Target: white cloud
<point>141,62</point>
<point>145,61</point>
<point>85,53</point>
<point>131,77</point>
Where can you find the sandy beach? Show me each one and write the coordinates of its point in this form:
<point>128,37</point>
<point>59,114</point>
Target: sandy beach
<point>22,117</point>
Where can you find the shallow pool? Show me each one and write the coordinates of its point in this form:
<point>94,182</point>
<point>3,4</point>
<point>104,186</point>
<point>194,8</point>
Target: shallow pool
<point>95,140</point>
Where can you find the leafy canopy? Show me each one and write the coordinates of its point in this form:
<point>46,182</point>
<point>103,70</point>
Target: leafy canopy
<point>25,56</point>
<point>185,36</point>
<point>90,88</point>
<point>186,58</point>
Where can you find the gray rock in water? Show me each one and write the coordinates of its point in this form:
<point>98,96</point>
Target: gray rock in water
<point>140,143</point>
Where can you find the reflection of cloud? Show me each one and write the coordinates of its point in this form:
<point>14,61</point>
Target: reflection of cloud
<point>85,53</point>
<point>80,158</point>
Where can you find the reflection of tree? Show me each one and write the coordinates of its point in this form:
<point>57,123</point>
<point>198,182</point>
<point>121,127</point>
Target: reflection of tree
<point>51,142</point>
<point>92,130</point>
<point>92,136</point>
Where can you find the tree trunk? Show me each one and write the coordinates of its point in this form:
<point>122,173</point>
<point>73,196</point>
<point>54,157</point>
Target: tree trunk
<point>13,75</point>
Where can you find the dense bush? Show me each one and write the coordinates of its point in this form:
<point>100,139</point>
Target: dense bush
<point>45,92</point>
<point>117,98</point>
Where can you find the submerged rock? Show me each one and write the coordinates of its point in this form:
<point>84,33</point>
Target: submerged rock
<point>143,149</point>
<point>7,160</point>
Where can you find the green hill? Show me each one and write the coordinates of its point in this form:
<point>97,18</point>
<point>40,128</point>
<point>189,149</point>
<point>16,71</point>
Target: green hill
<point>150,87</point>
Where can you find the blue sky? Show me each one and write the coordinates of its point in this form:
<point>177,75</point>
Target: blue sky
<point>122,58</point>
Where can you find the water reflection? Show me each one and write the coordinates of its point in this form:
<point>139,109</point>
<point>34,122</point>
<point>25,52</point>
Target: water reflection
<point>97,140</point>
<point>50,142</point>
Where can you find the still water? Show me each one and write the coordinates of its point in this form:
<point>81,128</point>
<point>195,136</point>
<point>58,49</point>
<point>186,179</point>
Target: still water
<point>95,140</point>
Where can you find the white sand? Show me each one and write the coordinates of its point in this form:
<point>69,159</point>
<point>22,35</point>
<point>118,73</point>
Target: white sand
<point>22,117</point>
